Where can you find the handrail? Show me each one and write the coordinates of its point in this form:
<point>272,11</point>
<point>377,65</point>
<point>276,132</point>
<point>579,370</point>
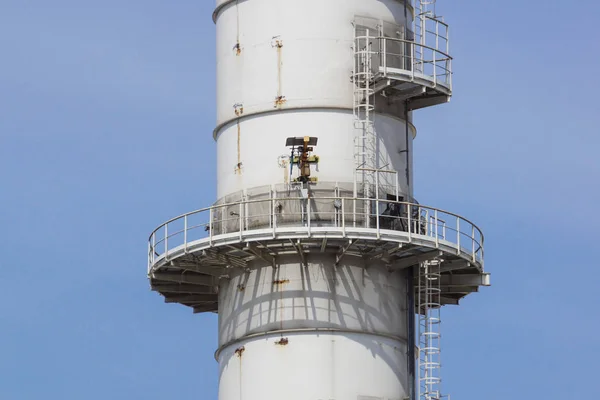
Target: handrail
<point>466,237</point>
<point>403,41</point>
<point>417,59</point>
<point>320,198</point>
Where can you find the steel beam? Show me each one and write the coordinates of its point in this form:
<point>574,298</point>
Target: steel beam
<point>343,251</point>
<point>449,301</point>
<point>182,288</point>
<point>252,248</point>
<point>462,290</point>
<point>205,308</point>
<point>416,259</point>
<point>300,251</point>
<point>454,265</point>
<point>193,299</point>
<point>466,280</point>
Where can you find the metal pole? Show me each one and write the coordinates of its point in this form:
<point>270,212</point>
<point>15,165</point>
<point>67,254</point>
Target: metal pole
<point>410,316</point>
<point>185,229</point>
<point>167,241</point>
<point>412,56</point>
<point>397,185</point>
<point>437,46</point>
<point>343,219</point>
<point>377,202</point>
<point>210,226</point>
<point>384,55</point>
<point>149,256</point>
<point>473,240</point>
<point>241,219</point>
<point>406,145</point>
<point>437,238</point>
<point>308,215</point>
<point>153,246</point>
<point>458,234</point>
<point>409,222</point>
<point>274,213</point>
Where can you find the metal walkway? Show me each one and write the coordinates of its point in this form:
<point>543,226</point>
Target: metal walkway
<point>188,254</point>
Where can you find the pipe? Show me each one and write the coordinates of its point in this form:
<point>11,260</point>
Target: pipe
<point>410,315</point>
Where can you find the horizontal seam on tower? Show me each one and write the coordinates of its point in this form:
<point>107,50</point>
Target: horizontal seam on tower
<point>266,112</point>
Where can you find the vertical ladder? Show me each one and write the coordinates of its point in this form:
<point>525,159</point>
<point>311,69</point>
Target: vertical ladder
<point>425,12</point>
<point>433,45</point>
<point>363,106</point>
<point>429,336</point>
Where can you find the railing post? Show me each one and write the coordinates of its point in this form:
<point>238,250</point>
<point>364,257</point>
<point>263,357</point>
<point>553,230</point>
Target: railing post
<point>377,204</point>
<point>458,234</point>
<point>149,256</point>
<point>482,253</point>
<point>354,211</point>
<point>434,68</point>
<point>413,56</point>
<point>241,216</point>
<point>449,58</point>
<point>377,218</point>
<point>308,215</point>
<point>437,237</point>
<point>450,74</point>
<point>274,216</point>
<point>210,226</point>
<point>384,55</point>
<point>473,241</point>
<point>409,221</point>
<point>153,246</point>
<point>185,229</point>
<point>343,218</point>
<point>166,241</point>
<point>437,47</point>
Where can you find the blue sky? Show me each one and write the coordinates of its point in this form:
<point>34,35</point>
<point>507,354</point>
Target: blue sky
<point>106,114</point>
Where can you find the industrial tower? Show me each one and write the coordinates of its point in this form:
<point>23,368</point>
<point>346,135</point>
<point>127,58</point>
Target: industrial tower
<point>327,275</point>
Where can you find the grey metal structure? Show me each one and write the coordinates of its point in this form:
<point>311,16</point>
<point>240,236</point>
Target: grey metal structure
<point>198,248</point>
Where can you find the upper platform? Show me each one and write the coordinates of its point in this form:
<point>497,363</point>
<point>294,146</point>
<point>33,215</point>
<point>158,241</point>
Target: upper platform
<point>403,66</point>
<point>188,254</point>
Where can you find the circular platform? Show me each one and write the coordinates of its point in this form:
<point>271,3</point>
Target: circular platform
<point>189,254</point>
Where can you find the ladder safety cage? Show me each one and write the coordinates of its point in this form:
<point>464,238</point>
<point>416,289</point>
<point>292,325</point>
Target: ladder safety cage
<point>365,143</point>
<point>429,304</point>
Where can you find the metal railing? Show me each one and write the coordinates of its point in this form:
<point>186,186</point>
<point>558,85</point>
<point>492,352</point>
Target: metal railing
<point>346,216</point>
<point>409,58</point>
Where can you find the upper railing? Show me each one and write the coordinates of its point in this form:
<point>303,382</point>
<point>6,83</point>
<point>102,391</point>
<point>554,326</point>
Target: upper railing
<point>316,217</point>
<point>411,60</point>
<point>422,56</point>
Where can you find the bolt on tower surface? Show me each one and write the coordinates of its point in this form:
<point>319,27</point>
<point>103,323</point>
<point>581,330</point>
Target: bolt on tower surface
<point>327,275</point>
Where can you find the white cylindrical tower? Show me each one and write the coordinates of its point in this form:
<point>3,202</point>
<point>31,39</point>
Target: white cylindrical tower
<point>316,255</point>
<point>284,68</point>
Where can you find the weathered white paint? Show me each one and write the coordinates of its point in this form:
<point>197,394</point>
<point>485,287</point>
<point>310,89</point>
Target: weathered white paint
<point>312,70</point>
<point>355,295</point>
<point>345,328</point>
<point>316,54</point>
<point>262,141</point>
<point>345,325</point>
<point>319,366</point>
